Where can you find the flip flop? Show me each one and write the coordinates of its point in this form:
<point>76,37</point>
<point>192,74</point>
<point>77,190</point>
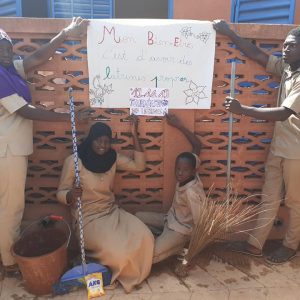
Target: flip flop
<point>282,259</point>
<point>247,252</point>
<point>12,272</point>
<point>241,247</point>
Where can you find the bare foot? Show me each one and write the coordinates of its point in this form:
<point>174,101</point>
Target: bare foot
<point>281,255</point>
<point>112,286</point>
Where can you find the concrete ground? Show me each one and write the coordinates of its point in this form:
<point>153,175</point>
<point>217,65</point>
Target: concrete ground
<point>221,277</point>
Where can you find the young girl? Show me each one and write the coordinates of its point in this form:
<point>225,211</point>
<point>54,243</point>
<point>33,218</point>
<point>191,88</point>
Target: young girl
<point>176,226</point>
<point>115,237</point>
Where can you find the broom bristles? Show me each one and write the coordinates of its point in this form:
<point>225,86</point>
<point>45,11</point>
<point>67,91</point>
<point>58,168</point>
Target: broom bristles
<point>219,220</point>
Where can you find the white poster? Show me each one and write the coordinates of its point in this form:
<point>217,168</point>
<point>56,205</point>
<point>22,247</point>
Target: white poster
<point>177,55</point>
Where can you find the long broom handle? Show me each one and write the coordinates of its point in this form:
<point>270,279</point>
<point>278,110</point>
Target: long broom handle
<point>230,123</point>
<point>77,179</point>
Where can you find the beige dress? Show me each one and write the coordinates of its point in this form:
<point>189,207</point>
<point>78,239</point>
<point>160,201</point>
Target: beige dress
<point>118,239</point>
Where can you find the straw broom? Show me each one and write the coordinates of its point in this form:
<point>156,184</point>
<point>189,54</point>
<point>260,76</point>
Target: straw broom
<point>218,221</point>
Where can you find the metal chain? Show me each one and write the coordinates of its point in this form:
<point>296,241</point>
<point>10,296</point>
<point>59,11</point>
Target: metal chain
<point>77,179</point>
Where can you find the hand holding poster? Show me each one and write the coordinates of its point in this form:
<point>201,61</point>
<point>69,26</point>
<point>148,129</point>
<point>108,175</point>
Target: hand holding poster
<point>176,55</point>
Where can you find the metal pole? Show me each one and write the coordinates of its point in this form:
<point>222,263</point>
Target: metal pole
<point>230,123</point>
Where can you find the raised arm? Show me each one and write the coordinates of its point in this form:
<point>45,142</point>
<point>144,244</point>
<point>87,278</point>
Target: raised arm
<point>194,141</point>
<point>138,163</point>
<point>244,45</point>
<point>32,112</point>
<point>76,29</point>
<point>134,131</point>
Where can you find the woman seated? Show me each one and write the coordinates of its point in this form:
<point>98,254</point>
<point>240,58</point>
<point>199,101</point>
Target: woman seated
<point>117,238</point>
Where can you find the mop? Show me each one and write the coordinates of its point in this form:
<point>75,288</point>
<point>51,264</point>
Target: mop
<point>75,277</point>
